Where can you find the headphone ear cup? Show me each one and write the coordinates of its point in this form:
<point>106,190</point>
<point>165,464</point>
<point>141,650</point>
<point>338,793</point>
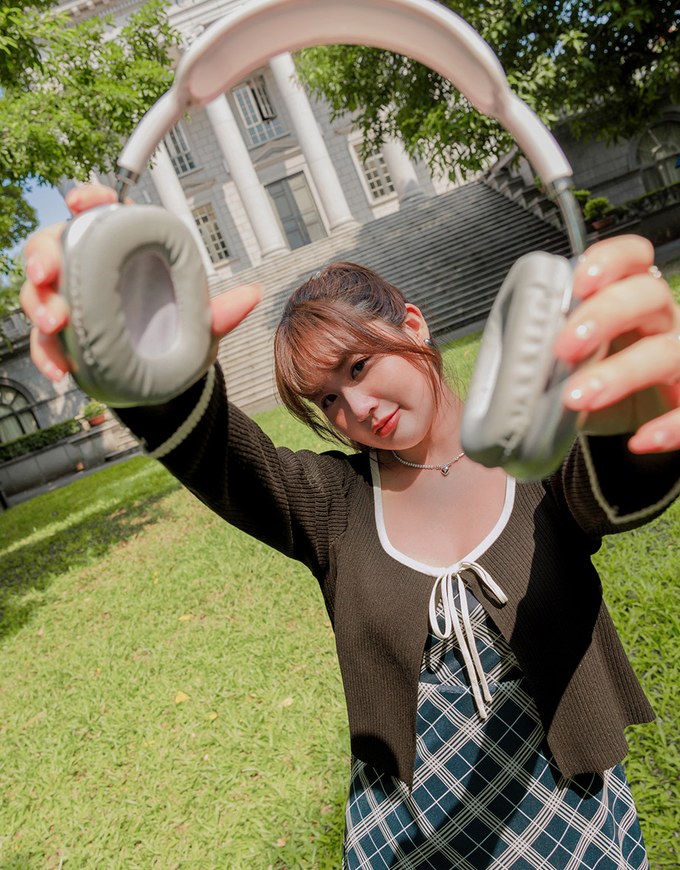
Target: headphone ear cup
<point>514,415</point>
<point>140,327</point>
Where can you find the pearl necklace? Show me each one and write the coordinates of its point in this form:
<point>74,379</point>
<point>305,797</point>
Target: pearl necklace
<point>443,468</point>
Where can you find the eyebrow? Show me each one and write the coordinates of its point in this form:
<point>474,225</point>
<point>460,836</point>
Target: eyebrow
<point>317,391</point>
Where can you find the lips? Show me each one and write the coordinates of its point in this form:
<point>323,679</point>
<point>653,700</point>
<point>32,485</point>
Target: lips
<point>387,425</point>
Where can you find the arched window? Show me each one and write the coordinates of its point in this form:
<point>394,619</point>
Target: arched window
<point>16,417</point>
<point>658,155</point>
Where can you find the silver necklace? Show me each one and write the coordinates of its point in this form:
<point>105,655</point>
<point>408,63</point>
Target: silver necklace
<point>443,468</point>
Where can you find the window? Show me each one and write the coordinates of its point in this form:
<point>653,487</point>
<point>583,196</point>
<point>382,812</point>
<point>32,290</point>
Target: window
<point>256,110</point>
<point>376,174</point>
<point>178,148</point>
<point>16,417</point>
<point>206,221</point>
<point>659,155</point>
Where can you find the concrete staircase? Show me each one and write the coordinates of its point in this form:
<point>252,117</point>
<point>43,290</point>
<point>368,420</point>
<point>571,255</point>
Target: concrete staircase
<point>449,254</point>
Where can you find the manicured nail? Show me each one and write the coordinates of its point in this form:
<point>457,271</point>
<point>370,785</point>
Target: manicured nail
<point>53,372</point>
<point>35,270</point>
<point>45,320</point>
<point>585,330</point>
<point>589,394</point>
<point>661,438</point>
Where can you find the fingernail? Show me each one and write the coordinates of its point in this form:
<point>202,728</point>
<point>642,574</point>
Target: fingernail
<point>585,330</point>
<point>45,320</point>
<point>589,394</point>
<point>586,334</point>
<point>660,438</point>
<point>35,270</point>
<point>53,372</point>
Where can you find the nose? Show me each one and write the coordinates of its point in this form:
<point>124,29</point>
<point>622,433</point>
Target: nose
<point>360,403</point>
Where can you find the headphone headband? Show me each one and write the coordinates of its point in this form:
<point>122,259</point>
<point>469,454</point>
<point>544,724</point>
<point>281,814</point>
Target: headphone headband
<point>425,30</point>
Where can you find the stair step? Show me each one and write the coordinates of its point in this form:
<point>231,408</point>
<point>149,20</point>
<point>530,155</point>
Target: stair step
<point>449,254</point>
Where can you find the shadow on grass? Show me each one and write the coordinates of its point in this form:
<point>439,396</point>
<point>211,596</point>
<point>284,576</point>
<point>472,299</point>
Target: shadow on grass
<point>29,569</point>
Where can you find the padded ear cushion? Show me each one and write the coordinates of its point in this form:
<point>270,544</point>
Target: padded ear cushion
<point>513,415</point>
<point>139,331</point>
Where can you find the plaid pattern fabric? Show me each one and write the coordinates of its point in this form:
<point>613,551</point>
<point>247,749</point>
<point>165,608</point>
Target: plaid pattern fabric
<point>486,794</point>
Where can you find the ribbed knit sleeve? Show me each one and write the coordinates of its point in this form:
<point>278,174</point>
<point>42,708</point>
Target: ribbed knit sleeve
<point>608,489</point>
<point>292,501</point>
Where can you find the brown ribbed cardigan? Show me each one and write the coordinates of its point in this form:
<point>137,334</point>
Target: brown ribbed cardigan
<point>319,509</point>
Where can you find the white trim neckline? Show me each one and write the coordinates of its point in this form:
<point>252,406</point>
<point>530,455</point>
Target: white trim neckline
<point>424,567</point>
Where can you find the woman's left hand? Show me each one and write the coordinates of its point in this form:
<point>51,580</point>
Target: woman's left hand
<point>628,321</point>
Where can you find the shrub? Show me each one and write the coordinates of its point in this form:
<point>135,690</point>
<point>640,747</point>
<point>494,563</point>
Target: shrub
<point>597,208</point>
<point>38,440</point>
<point>93,408</point>
<point>581,196</point>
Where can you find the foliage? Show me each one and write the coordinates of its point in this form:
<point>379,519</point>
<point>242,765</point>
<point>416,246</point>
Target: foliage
<point>608,66</point>
<point>581,196</point>
<point>38,440</point>
<point>597,208</point>
<point>93,408</point>
<point>17,220</point>
<point>69,95</point>
<point>10,283</point>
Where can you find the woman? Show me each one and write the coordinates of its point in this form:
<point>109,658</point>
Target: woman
<point>487,690</point>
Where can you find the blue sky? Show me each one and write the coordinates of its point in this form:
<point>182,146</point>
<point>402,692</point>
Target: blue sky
<point>49,204</point>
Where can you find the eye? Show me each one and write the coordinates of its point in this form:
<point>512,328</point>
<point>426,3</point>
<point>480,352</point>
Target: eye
<point>358,367</point>
<point>327,401</point>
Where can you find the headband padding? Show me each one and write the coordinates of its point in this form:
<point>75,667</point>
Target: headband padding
<point>140,319</point>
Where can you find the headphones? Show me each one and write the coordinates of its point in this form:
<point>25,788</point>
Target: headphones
<point>133,277</point>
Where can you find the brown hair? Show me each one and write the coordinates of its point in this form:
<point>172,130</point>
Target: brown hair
<point>339,312</point>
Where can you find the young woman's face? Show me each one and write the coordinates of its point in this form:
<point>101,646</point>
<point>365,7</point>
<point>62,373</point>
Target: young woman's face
<point>383,401</point>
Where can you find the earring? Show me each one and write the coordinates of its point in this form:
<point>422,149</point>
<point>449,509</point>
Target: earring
<point>429,342</point>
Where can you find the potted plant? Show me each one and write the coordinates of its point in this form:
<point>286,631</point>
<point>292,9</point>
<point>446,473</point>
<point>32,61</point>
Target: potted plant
<point>94,412</point>
<point>599,212</point>
<point>581,197</point>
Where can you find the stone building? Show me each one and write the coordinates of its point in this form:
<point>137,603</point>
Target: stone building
<point>272,189</point>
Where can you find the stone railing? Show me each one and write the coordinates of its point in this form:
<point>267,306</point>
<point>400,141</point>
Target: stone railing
<point>652,202</point>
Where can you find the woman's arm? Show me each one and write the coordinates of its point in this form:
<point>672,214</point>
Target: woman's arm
<point>295,502</point>
<point>223,457</point>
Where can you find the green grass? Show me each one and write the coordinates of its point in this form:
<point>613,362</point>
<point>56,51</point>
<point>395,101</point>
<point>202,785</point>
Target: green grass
<point>169,693</point>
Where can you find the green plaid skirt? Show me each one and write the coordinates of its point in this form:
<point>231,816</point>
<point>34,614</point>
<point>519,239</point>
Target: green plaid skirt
<point>486,793</point>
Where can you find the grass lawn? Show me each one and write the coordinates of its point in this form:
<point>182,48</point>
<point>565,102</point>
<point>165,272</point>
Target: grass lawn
<point>169,694</point>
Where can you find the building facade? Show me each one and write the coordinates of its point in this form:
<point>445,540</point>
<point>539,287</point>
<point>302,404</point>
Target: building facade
<point>262,171</point>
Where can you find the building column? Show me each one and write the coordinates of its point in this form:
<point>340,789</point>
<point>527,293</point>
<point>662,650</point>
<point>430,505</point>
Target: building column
<point>402,172</point>
<point>311,141</point>
<point>253,195</point>
<point>172,196</point>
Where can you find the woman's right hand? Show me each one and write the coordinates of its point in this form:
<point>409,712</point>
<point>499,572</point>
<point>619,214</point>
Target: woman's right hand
<point>48,311</point>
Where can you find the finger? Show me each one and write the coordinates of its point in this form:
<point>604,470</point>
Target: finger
<point>48,355</point>
<point>38,296</point>
<point>639,302</point>
<point>659,435</point>
<point>609,261</point>
<point>230,308</point>
<point>86,196</point>
<point>42,254</point>
<point>649,362</point>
